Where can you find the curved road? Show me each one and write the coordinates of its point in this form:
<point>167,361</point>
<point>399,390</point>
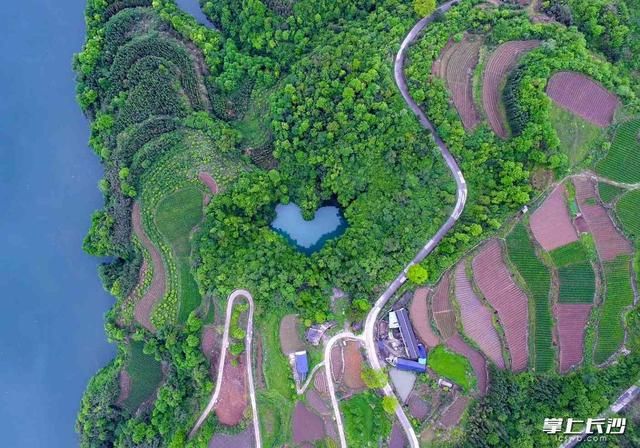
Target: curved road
<point>223,351</point>
<point>398,71</point>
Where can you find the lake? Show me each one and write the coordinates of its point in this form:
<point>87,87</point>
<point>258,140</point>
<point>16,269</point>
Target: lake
<point>308,236</point>
<point>51,325</point>
<point>193,7</point>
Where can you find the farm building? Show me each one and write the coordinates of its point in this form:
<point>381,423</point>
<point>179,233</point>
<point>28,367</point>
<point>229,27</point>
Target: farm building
<point>406,331</point>
<point>316,332</point>
<point>301,365</point>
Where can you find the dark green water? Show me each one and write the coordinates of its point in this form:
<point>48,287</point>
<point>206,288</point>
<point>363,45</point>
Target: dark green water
<point>51,325</point>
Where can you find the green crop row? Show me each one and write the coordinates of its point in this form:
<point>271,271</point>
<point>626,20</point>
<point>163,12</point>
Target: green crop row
<point>538,280</point>
<point>628,211</point>
<point>622,163</point>
<point>577,283</point>
<point>608,192</point>
<point>571,253</point>
<point>619,295</point>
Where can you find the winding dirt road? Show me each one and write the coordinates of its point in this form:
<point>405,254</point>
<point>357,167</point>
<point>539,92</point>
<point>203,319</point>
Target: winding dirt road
<point>223,354</point>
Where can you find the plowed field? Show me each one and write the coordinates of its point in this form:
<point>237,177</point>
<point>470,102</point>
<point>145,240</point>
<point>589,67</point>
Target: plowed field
<point>501,62</point>
<point>582,96</point>
<point>571,320</point>
<point>443,312</point>
<point>477,319</point>
<point>551,224</point>
<point>495,283</point>
<point>421,318</point>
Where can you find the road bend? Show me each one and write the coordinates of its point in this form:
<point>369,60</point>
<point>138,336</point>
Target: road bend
<point>461,193</point>
<point>223,354</point>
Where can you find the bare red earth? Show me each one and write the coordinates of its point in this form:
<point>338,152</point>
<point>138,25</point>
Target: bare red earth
<point>477,319</point>
<point>244,439</point>
<point>320,384</point>
<point>307,426</point>
<point>443,312</point>
<point>233,394</point>
<point>501,62</point>
<point>124,381</point>
<point>479,364</point>
<point>353,366</point>
<point>451,417</point>
<point>207,345</point>
<point>551,224</point>
<point>421,318</point>
<point>609,241</point>
<point>337,364</point>
<point>418,407</point>
<point>397,439</point>
<point>571,320</point>
<point>583,96</point>
<point>209,181</point>
<point>495,283</point>
<point>156,289</point>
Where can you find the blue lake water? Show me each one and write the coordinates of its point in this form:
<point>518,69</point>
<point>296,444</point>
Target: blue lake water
<point>51,325</point>
<point>193,7</point>
<point>308,236</point>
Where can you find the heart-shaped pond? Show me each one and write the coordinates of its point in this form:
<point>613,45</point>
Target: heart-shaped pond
<point>308,236</point>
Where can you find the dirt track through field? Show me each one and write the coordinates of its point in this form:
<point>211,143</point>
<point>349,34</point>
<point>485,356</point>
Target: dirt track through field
<point>609,242</point>
<point>501,62</point>
<point>156,290</point>
<point>497,285</point>
<point>583,96</point>
<point>476,318</point>
<point>551,224</point>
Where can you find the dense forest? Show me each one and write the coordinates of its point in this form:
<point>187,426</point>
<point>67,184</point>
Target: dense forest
<point>295,102</point>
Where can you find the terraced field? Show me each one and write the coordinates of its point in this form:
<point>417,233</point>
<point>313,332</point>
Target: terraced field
<point>495,282</point>
<point>622,163</point>
<point>456,66</point>
<point>443,313</point>
<point>608,192</point>
<point>618,296</point>
<point>582,96</point>
<point>577,283</point>
<point>628,211</point>
<point>421,318</point>
<point>478,363</point>
<point>572,320</point>
<point>551,224</point>
<point>476,318</point>
<point>609,242</point>
<point>501,62</point>
<point>538,280</point>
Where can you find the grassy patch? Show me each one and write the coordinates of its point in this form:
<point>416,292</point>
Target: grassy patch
<point>365,421</point>
<point>622,163</point>
<point>619,295</point>
<point>628,211</point>
<point>571,253</point>
<point>536,275</point>
<point>275,418</point>
<point>577,283</point>
<point>608,192</point>
<point>145,373</point>
<point>452,366</point>
<point>176,216</point>
<point>576,135</point>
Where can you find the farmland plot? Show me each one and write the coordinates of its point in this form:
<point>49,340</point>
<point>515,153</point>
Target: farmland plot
<point>628,211</point>
<point>577,283</point>
<point>421,317</point>
<point>443,312</point>
<point>478,363</point>
<point>476,318</point>
<point>619,295</point>
<point>571,320</point>
<point>456,65</point>
<point>536,275</point>
<point>582,96</point>
<point>501,62</point>
<point>551,224</point>
<point>609,242</point>
<point>495,283</point>
<point>569,254</point>
<point>622,163</point>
